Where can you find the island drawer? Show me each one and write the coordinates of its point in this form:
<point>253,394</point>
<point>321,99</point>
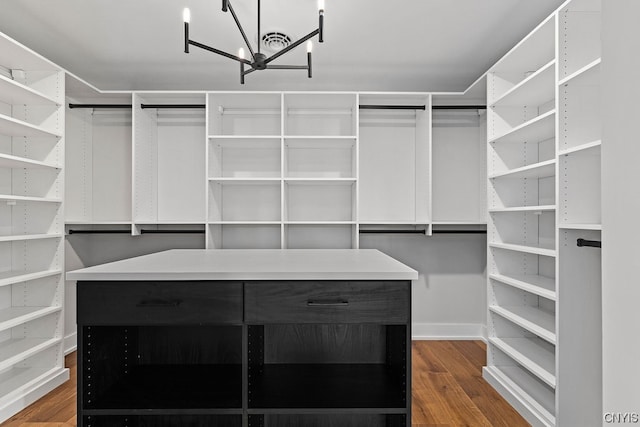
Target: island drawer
<point>159,302</point>
<point>327,302</point>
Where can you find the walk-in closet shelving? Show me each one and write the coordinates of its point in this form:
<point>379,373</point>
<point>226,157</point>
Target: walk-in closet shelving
<point>395,159</point>
<point>521,236</point>
<point>459,157</point>
<point>286,166</point>
<point>579,354</point>
<point>282,169</point>
<point>98,155</point>
<point>31,227</point>
<point>544,194</point>
<point>315,115</point>
<point>169,144</point>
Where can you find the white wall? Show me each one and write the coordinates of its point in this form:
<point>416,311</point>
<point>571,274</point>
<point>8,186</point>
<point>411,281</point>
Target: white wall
<point>449,298</point>
<point>620,206</point>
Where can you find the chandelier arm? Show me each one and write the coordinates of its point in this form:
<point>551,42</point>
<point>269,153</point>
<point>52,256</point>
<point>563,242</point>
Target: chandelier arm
<point>250,70</point>
<point>259,37</point>
<point>219,52</point>
<point>244,36</point>
<point>292,46</point>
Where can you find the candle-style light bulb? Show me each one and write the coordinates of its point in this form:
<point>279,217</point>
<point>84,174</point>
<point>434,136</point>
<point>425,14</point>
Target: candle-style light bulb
<point>241,53</point>
<point>186,17</point>
<point>321,21</point>
<point>309,46</point>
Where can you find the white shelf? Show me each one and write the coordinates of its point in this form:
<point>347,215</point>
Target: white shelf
<point>535,284</point>
<point>22,237</point>
<point>14,93</point>
<point>532,319</point>
<point>244,180</point>
<point>537,170</point>
<point>525,390</point>
<point>244,136</point>
<point>586,75</point>
<point>244,222</point>
<point>536,89</point>
<point>536,48</point>
<point>540,208</point>
<point>9,161</point>
<point>15,316</point>
<point>320,137</point>
<point>14,127</point>
<point>16,379</point>
<point>536,250</point>
<point>531,354</point>
<point>319,222</point>
<point>81,222</point>
<point>320,180</point>
<point>10,197</point>
<point>151,223</point>
<point>11,277</point>
<point>581,147</point>
<point>16,55</point>
<point>15,350</point>
<point>470,222</point>
<point>537,129</point>
<point>596,227</point>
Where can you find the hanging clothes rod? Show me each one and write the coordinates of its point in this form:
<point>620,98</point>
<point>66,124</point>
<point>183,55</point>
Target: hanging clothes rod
<point>143,231</point>
<point>143,106</point>
<point>392,231</point>
<point>362,107</point>
<point>99,231</point>
<point>173,106</point>
<point>590,243</point>
<point>110,106</point>
<point>423,231</point>
<point>459,107</point>
<point>392,107</point>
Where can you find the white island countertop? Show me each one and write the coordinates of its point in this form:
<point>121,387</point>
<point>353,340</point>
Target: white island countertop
<point>252,264</point>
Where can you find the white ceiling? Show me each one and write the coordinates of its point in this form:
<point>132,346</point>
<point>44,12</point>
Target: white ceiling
<point>370,45</point>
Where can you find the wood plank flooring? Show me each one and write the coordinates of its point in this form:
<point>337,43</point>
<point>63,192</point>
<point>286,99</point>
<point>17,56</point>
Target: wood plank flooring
<point>447,387</point>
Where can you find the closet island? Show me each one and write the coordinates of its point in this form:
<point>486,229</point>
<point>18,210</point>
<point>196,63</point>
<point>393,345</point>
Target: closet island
<point>245,338</point>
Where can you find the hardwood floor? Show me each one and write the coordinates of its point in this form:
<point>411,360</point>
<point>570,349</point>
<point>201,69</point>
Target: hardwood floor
<point>448,390</point>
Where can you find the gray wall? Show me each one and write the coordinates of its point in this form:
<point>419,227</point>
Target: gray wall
<point>449,298</point>
<point>620,207</point>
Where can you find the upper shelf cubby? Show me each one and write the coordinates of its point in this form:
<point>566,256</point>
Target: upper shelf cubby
<point>523,61</point>
<point>244,114</point>
<point>16,93</point>
<point>29,79</point>
<point>536,89</point>
<point>320,114</point>
<point>579,35</point>
<point>14,55</point>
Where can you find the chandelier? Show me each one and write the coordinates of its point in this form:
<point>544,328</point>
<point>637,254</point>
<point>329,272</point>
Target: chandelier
<point>258,60</point>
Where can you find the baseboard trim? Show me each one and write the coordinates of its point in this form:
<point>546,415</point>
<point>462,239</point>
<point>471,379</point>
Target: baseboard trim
<point>70,343</point>
<point>513,395</point>
<point>448,331</point>
<point>29,394</point>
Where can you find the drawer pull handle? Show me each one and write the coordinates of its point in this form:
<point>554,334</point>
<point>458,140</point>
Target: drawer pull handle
<point>159,303</point>
<point>327,303</point>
